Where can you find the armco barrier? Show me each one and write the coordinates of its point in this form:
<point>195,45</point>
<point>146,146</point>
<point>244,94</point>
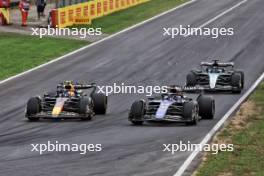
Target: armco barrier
<point>84,13</point>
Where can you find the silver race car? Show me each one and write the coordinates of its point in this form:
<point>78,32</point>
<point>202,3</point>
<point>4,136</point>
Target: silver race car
<point>216,76</point>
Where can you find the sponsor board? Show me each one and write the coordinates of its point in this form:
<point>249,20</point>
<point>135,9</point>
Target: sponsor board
<point>6,14</point>
<point>84,13</point>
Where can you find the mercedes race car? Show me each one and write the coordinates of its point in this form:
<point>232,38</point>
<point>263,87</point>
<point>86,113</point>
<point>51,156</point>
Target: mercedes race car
<point>69,101</point>
<point>216,76</point>
<point>173,106</point>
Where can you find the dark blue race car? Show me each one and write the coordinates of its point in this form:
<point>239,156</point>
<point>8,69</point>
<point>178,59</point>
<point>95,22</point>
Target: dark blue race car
<point>173,106</point>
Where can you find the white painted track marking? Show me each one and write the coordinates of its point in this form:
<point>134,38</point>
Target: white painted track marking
<point>209,136</point>
<point>95,43</point>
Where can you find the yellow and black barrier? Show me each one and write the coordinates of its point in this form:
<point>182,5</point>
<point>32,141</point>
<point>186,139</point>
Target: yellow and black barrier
<point>5,15</point>
<point>84,13</point>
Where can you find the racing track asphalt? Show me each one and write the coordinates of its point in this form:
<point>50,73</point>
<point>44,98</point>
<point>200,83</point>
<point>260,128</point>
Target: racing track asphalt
<point>141,56</point>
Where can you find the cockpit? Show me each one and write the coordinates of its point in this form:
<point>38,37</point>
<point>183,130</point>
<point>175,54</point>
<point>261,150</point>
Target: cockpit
<point>214,69</point>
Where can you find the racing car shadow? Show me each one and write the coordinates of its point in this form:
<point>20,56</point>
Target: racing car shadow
<point>163,124</point>
<point>48,120</point>
<point>57,120</point>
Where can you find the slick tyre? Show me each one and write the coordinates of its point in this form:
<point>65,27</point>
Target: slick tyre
<point>191,80</point>
<point>137,112</point>
<point>100,103</point>
<point>33,107</point>
<point>242,75</point>
<point>236,83</point>
<point>189,112</point>
<point>83,109</point>
<point>206,107</point>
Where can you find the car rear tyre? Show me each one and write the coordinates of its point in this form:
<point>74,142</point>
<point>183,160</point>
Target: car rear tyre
<point>206,107</point>
<point>137,112</point>
<point>236,83</point>
<point>33,107</point>
<point>189,112</point>
<point>100,103</point>
<point>191,80</point>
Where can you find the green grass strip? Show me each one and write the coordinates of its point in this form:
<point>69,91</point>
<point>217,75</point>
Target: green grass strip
<point>19,53</point>
<point>248,156</point>
<point>120,20</point>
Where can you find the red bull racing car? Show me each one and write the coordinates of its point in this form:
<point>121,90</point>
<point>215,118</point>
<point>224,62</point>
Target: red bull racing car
<point>69,101</point>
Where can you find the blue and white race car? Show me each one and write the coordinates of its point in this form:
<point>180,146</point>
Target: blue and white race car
<point>216,76</point>
<point>173,107</point>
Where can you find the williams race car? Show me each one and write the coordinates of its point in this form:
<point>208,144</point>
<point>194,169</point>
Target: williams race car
<point>69,101</point>
<point>216,76</point>
<point>173,107</point>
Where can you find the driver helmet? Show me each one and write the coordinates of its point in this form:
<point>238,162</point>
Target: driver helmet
<point>176,90</point>
<point>165,96</point>
<point>69,87</point>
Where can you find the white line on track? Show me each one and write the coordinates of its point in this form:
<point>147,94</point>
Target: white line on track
<point>220,15</point>
<point>219,125</point>
<point>216,127</point>
<point>206,139</point>
<point>95,43</point>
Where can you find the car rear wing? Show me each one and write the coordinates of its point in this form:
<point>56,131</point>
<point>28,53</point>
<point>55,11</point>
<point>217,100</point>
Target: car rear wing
<point>185,89</point>
<point>83,86</point>
<point>219,64</point>
<point>194,89</point>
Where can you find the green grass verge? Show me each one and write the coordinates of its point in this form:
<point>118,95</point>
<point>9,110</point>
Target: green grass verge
<point>248,156</point>
<point>19,53</point>
<point>120,20</point>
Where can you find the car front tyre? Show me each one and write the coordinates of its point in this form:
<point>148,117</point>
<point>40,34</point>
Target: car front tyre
<point>33,107</point>
<point>189,112</point>
<point>137,112</point>
<point>83,109</point>
<point>242,75</point>
<point>236,83</point>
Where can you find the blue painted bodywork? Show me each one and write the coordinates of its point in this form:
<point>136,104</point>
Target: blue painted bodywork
<point>164,106</point>
<point>162,110</point>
